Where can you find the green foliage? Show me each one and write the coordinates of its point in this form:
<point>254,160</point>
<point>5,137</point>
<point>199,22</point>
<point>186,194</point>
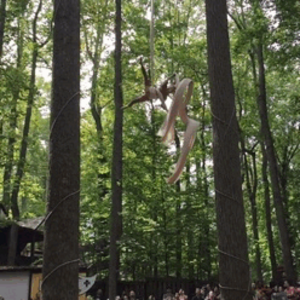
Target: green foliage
<point>157,219</point>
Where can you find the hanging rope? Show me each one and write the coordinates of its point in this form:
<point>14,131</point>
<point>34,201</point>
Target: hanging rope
<point>152,24</point>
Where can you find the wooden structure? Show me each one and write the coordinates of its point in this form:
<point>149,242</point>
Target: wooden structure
<point>23,283</point>
<point>17,243</point>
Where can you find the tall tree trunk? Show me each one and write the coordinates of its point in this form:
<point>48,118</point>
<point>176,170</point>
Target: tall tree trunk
<point>283,179</point>
<point>234,266</point>
<point>61,255</point>
<point>116,177</point>
<point>154,246</point>
<point>31,95</point>
<point>251,183</point>
<point>266,185</point>
<point>96,108</point>
<point>190,233</point>
<point>205,188</point>
<point>2,24</point>
<point>268,212</point>
<point>12,128</point>
<point>178,220</point>
<point>274,174</point>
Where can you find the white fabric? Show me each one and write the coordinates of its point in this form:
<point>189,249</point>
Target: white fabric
<point>167,130</point>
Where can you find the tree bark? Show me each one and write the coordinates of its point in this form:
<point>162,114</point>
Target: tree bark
<point>234,275</point>
<point>116,176</point>
<point>274,174</point>
<point>60,268</point>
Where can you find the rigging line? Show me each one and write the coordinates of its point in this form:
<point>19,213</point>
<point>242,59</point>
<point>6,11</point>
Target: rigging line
<point>58,267</point>
<point>228,196</point>
<point>152,23</point>
<point>234,257</point>
<point>45,219</point>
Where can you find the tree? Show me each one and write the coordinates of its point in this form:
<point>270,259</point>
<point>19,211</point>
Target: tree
<point>234,267</point>
<point>273,166</point>
<point>96,19</point>
<point>268,211</point>
<point>2,24</point>
<point>60,268</point>
<point>116,174</point>
<point>30,101</point>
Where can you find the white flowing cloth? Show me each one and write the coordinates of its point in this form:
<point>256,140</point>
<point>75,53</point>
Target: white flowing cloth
<point>167,132</point>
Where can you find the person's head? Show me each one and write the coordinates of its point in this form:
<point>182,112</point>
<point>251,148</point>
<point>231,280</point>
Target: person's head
<point>198,291</point>
<point>132,294</point>
<point>125,297</point>
<point>216,289</point>
<point>99,292</point>
<point>118,298</point>
<point>181,292</point>
<point>286,284</point>
<point>280,289</point>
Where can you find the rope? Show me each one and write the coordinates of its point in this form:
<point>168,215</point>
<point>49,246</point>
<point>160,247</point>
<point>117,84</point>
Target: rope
<point>58,267</point>
<point>44,220</point>
<point>152,23</point>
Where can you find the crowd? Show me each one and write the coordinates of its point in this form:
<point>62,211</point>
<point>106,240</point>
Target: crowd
<point>284,291</point>
<point>204,293</point>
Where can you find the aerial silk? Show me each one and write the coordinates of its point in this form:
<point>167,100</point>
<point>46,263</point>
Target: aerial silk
<point>182,97</point>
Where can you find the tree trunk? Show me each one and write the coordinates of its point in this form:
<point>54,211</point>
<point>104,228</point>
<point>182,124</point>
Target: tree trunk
<point>12,245</point>
<point>153,235</point>
<point>2,24</point>
<point>206,245</point>
<point>268,212</point>
<point>234,276</point>
<point>190,233</point>
<point>178,220</point>
<point>251,183</point>
<point>12,125</point>
<point>61,255</point>
<point>96,109</point>
<point>274,174</point>
<point>283,179</point>
<point>116,176</point>
<point>31,95</point>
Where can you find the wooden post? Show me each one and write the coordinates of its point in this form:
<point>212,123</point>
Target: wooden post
<point>12,245</point>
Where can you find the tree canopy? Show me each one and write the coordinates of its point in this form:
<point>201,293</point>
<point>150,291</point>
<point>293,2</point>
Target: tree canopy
<point>166,231</point>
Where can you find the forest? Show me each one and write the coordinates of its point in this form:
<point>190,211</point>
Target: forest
<point>165,229</point>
